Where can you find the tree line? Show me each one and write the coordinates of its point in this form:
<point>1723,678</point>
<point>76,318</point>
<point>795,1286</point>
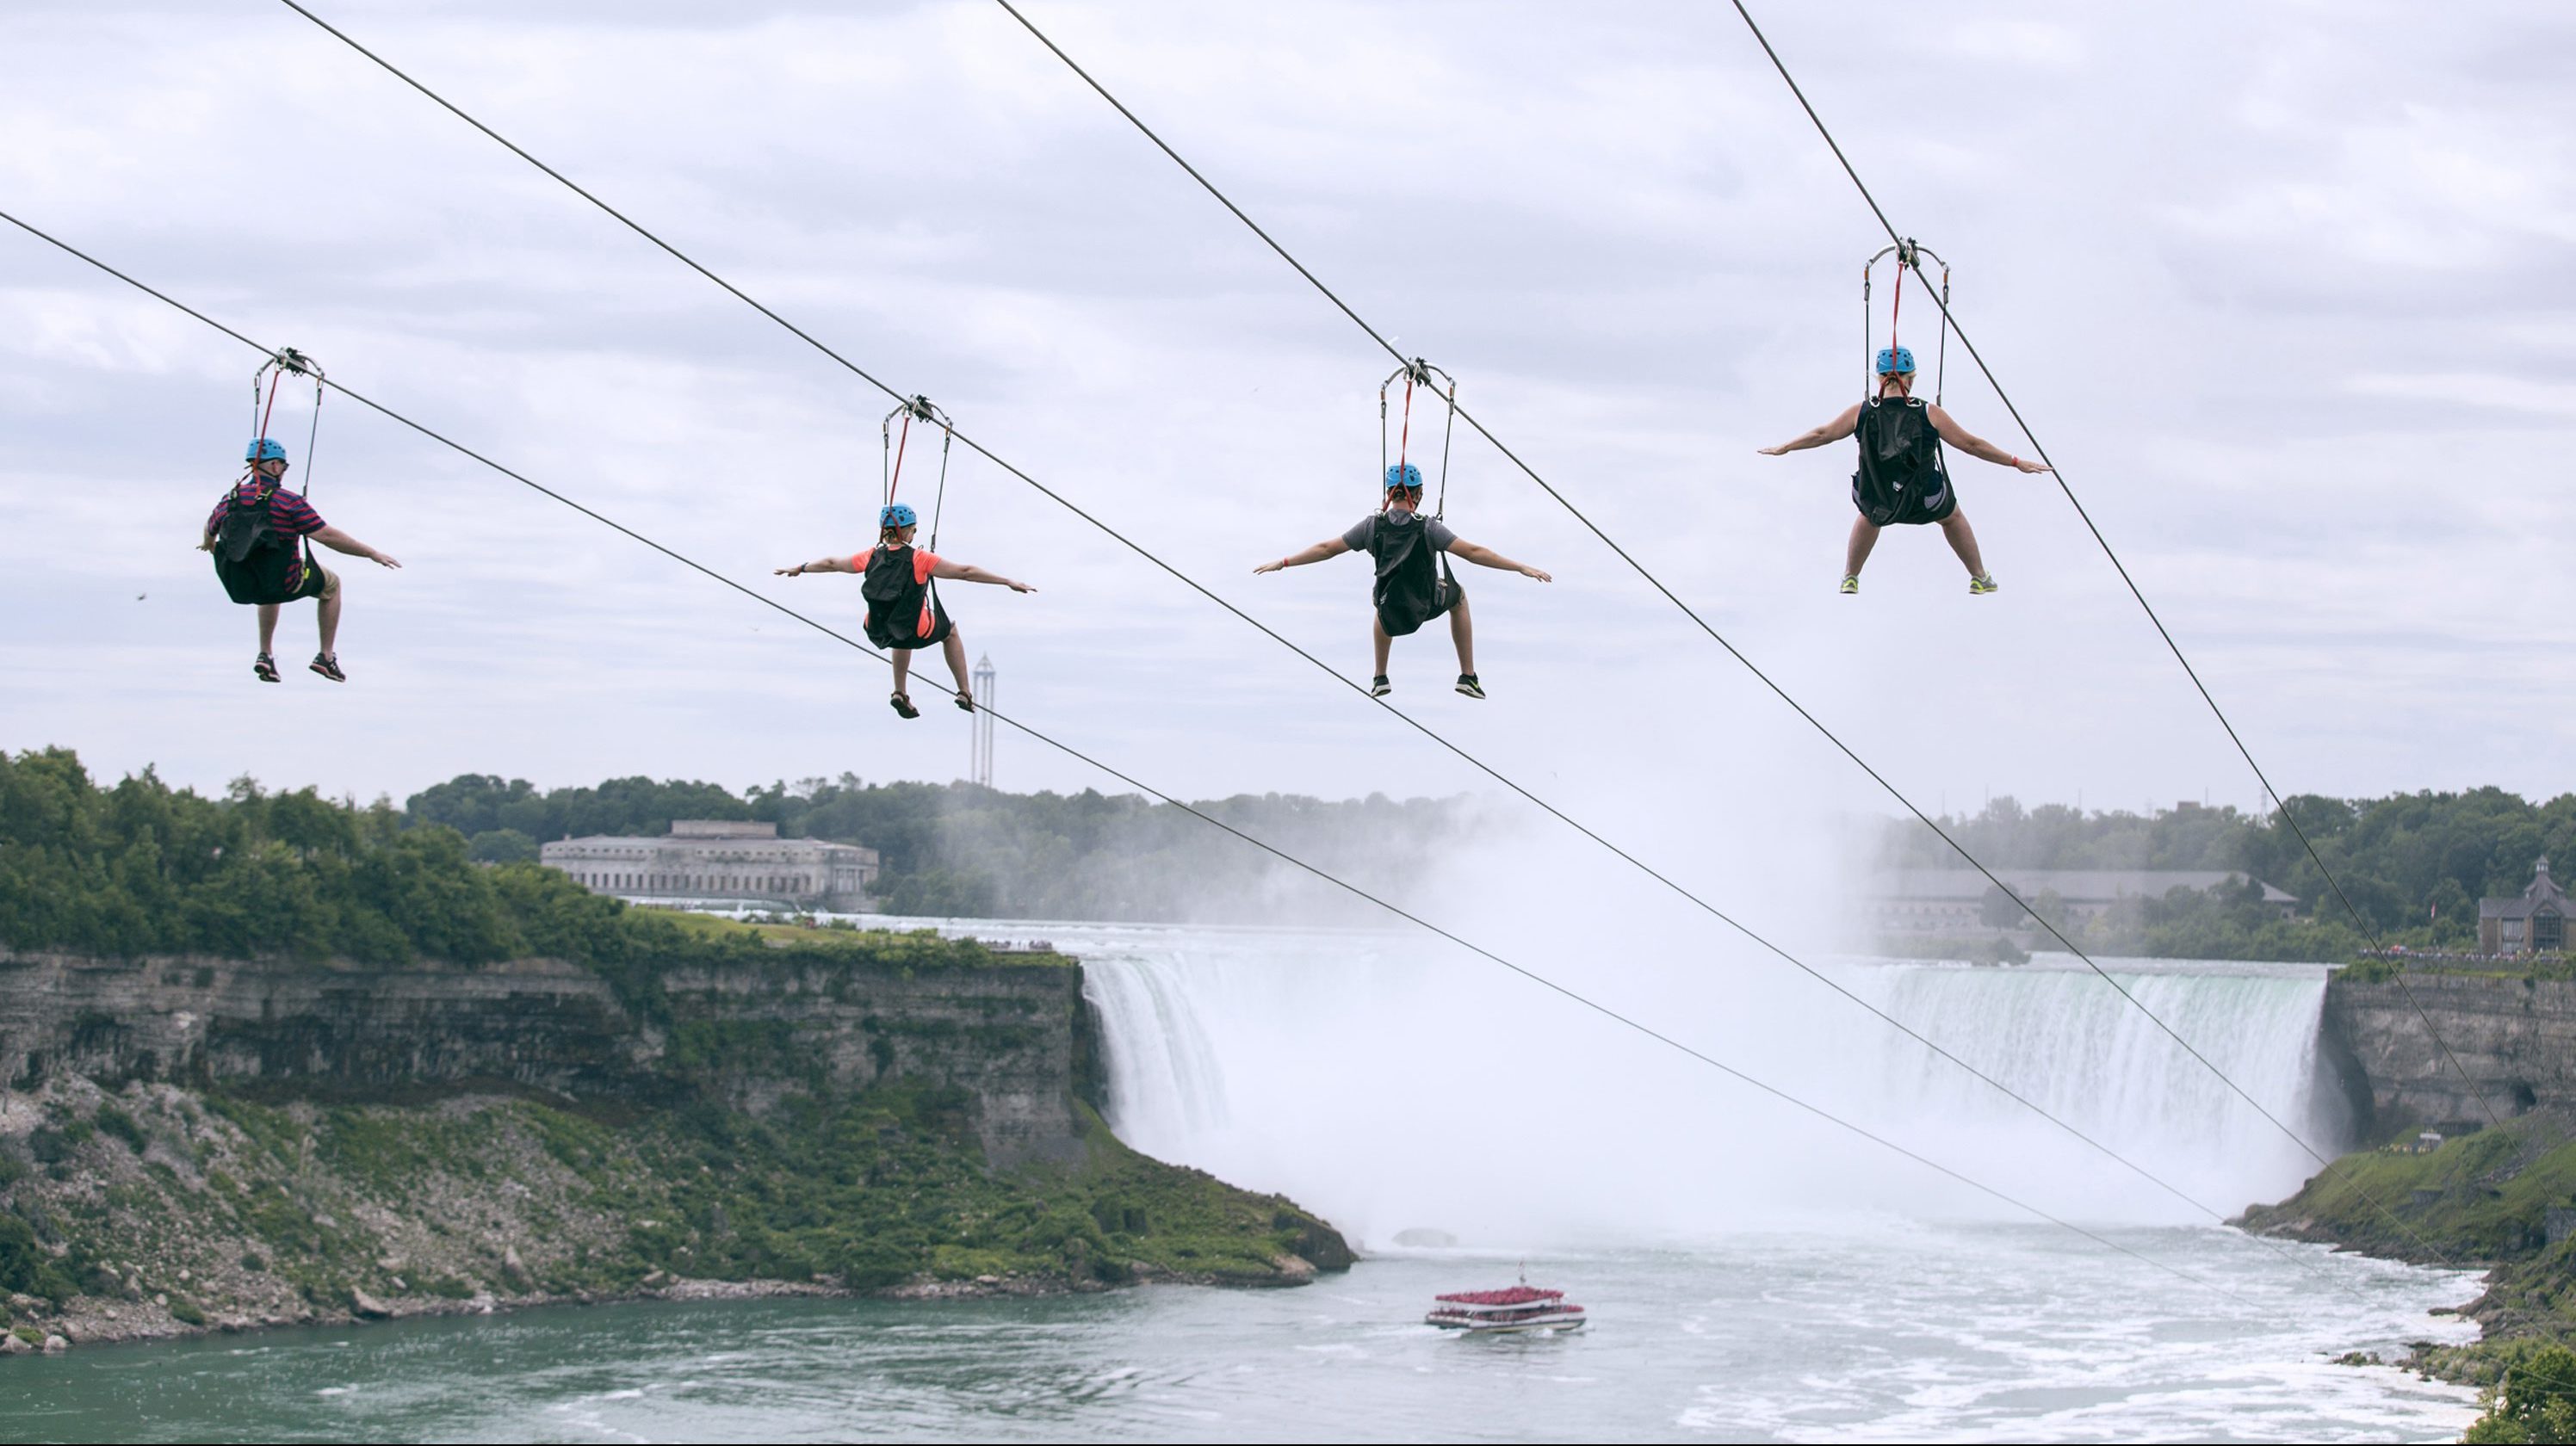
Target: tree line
<point>967,851</point>
<point>2414,865</point>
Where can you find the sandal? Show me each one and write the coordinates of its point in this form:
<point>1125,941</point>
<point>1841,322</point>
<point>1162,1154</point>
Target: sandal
<point>903,706</point>
<point>965,702</point>
<point>329,667</point>
<point>265,667</point>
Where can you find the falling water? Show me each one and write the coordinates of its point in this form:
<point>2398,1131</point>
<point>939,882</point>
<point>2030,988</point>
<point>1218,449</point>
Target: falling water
<point>1394,1088</point>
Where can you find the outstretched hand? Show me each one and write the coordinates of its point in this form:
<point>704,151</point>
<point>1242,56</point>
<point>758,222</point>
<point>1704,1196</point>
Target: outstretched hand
<point>2027,465</point>
<point>1017,586</point>
<point>797,571</point>
<point>1268,567</point>
<point>1532,572</point>
<point>383,560</point>
<point>1772,451</point>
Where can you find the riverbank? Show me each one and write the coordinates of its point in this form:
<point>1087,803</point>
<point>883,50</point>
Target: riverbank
<point>154,1211</point>
<point>2502,1198</point>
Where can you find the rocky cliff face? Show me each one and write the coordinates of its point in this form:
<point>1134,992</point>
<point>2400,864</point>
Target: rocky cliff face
<point>2515,1039</point>
<point>1008,1034</point>
<point>189,1143</point>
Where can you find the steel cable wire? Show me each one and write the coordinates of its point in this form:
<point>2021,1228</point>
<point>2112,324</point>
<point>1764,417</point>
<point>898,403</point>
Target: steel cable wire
<point>1641,570</point>
<point>1131,781</point>
<point>1327,669</point>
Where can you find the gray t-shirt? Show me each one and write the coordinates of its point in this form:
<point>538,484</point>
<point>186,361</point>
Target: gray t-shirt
<point>1357,539</point>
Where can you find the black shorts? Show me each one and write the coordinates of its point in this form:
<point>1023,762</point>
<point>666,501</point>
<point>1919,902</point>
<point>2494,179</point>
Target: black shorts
<point>315,582</point>
<point>1911,508</point>
<point>1446,594</point>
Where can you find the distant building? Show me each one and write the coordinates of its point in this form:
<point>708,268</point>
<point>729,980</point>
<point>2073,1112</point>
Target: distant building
<point>1964,901</point>
<point>2536,923</point>
<point>714,859</point>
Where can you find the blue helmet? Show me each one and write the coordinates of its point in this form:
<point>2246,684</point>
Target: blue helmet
<point>897,514</point>
<point>1895,359</point>
<point>1404,475</point>
<point>263,450</point>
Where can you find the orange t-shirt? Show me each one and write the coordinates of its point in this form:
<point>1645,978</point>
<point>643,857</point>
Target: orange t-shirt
<point>922,563</point>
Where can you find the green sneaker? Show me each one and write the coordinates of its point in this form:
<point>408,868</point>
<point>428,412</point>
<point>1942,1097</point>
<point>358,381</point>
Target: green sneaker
<point>1980,586</point>
<point>1851,585</point>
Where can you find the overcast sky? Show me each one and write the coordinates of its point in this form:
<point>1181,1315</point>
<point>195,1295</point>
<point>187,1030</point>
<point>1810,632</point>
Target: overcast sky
<point>2286,289</point>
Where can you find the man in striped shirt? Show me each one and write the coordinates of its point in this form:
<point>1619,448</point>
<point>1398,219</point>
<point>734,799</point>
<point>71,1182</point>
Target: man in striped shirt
<point>257,533</point>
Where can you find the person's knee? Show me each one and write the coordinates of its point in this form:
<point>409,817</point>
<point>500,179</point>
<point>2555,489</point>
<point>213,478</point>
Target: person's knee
<point>330,584</point>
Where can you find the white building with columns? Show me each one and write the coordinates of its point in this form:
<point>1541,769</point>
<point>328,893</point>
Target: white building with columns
<point>717,860</point>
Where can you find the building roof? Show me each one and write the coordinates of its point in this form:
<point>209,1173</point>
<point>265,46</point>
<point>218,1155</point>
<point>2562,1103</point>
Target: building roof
<point>2541,896</point>
<point>2075,886</point>
<point>704,845</point>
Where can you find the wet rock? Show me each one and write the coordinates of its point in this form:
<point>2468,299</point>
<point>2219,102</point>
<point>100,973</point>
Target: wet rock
<point>56,1345</point>
<point>1294,1269</point>
<point>367,1307</point>
<point>11,1345</point>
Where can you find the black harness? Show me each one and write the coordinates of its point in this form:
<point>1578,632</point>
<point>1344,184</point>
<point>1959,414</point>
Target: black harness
<point>1901,478</point>
<point>254,561</point>
<point>897,603</point>
<point>1413,580</point>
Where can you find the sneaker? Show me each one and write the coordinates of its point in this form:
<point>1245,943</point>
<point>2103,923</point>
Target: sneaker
<point>1980,586</point>
<point>329,667</point>
<point>265,668</point>
<point>1468,685</point>
<point>1379,687</point>
<point>1851,584</point>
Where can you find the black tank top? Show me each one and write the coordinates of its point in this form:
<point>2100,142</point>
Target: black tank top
<point>1900,458</point>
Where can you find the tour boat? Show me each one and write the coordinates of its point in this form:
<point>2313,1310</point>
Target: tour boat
<point>1518,1308</point>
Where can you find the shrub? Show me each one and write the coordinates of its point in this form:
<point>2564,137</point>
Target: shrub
<point>117,1122</point>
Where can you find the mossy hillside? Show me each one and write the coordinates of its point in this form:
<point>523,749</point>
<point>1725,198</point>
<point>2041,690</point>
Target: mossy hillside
<point>2481,1198</point>
<point>236,1212</point>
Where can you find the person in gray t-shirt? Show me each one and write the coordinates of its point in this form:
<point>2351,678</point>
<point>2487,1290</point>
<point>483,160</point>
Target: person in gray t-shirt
<point>1413,581</point>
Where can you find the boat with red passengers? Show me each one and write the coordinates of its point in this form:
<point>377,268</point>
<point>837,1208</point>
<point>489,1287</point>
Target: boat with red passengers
<point>1521,1307</point>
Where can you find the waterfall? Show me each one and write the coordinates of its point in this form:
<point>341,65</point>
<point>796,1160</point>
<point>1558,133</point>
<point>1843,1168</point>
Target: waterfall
<point>1391,1084</point>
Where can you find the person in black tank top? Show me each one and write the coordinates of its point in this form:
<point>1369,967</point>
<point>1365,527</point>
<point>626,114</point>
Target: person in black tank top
<point>1411,553</point>
<point>904,612</point>
<point>1902,480</point>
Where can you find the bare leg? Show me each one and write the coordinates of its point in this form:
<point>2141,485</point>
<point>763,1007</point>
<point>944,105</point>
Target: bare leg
<point>1462,631</point>
<point>1864,536</point>
<point>955,651</point>
<point>327,614</point>
<point>1377,635</point>
<point>902,666</point>
<point>268,627</point>
<point>1963,541</point>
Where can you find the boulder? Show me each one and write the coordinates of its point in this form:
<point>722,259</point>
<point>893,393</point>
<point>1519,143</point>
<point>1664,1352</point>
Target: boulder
<point>367,1307</point>
<point>11,1345</point>
<point>56,1345</point>
<point>1294,1269</point>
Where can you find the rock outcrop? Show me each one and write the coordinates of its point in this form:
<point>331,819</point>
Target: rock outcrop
<point>2514,1038</point>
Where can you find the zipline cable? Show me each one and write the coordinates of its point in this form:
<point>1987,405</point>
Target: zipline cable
<point>1131,781</point>
<point>1949,324</point>
<point>1657,583</point>
<point>1412,370</point>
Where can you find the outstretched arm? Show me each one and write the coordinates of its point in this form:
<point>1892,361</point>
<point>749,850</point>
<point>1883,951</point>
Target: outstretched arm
<point>1466,551</point>
<point>969,572</point>
<point>1833,431</point>
<point>1330,547</point>
<point>1976,446</point>
<point>338,541</point>
<point>823,564</point>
